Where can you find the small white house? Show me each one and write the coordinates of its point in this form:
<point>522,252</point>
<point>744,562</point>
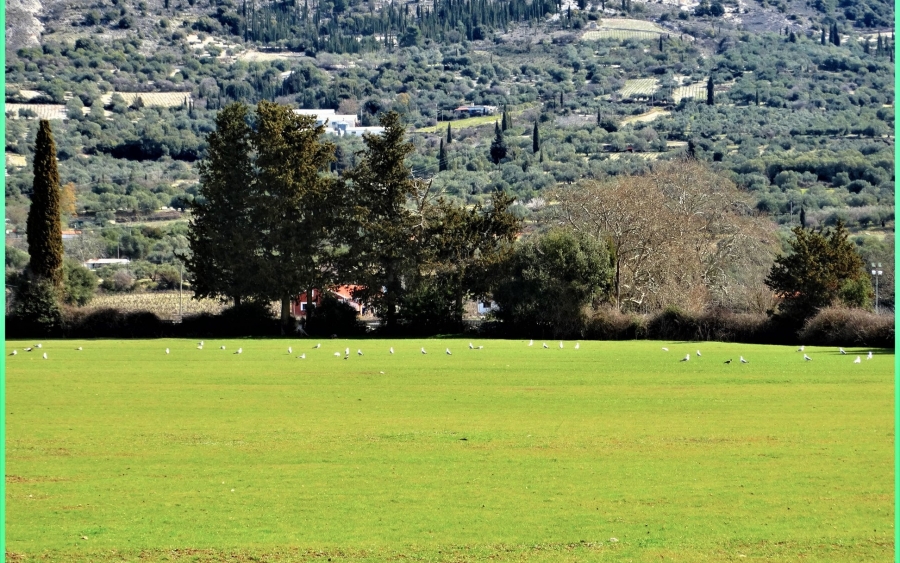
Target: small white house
<point>95,263</point>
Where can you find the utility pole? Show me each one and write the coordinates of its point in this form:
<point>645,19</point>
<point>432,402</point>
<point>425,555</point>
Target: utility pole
<point>876,273</point>
<point>181,292</point>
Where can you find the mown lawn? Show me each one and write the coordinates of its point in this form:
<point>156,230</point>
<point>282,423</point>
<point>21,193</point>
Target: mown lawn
<point>613,452</point>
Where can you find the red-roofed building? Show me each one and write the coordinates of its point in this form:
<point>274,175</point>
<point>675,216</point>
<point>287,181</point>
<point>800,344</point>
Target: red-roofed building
<point>343,293</point>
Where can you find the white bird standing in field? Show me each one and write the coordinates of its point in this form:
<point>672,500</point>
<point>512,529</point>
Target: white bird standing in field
<point>359,352</point>
<point>842,351</point>
<point>317,346</point>
<point>743,361</point>
<point>698,353</point>
<point>14,352</point>
<point>222,348</point>
<point>531,342</point>
<point>858,360</point>
<point>471,347</point>
<point>200,347</point>
<point>45,355</point>
<point>577,345</point>
<point>665,349</point>
<point>239,351</point>
<point>687,358</point>
<point>79,348</point>
<point>290,350</point>
<point>38,345</point>
<point>423,351</point>
<point>481,348</point>
<point>392,349</point>
<point>167,350</point>
<point>346,351</point>
<point>545,345</point>
<point>448,352</point>
<point>869,357</point>
<point>200,343</point>
<point>800,349</point>
<point>337,354</point>
<point>28,349</point>
<point>807,358</point>
<point>302,356</point>
<point>560,344</point>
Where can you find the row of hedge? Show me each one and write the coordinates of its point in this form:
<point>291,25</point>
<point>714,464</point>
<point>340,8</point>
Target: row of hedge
<point>834,326</point>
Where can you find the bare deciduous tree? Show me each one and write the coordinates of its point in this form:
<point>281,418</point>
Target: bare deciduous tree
<point>679,235</point>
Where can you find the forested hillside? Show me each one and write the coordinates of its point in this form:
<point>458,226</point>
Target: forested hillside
<point>792,102</point>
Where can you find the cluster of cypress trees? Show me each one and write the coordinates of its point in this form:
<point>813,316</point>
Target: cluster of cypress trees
<point>302,28</point>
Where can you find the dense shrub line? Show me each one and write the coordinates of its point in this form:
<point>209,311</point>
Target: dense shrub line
<point>832,326</point>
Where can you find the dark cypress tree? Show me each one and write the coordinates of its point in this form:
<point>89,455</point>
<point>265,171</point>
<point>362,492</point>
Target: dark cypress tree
<point>561,100</point>
<point>802,218</point>
<point>710,92</point>
<point>44,226</point>
<point>692,149</point>
<point>757,96</point>
<point>660,44</point>
<point>503,123</point>
<point>442,158</point>
<point>449,135</point>
<point>823,36</point>
<point>792,38</point>
<point>535,139</point>
<point>599,117</point>
<point>498,145</point>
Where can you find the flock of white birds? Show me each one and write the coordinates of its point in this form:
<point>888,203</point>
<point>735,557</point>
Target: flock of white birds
<point>359,352</point>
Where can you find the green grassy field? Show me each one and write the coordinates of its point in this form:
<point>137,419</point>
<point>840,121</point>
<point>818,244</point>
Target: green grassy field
<point>613,452</point>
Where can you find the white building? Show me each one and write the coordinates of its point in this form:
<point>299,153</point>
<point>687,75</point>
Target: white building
<point>95,263</point>
<point>338,124</point>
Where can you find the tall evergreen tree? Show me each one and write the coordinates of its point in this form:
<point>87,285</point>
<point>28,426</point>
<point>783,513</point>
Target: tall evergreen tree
<point>297,203</point>
<point>223,237</point>
<point>44,225</point>
<point>710,92</point>
<point>802,218</point>
<point>442,158</point>
<point>387,238</point>
<point>823,36</point>
<point>535,139</point>
<point>449,134</point>
<point>504,125</point>
<point>498,145</point>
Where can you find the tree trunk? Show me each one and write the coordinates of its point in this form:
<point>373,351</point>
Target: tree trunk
<point>618,287</point>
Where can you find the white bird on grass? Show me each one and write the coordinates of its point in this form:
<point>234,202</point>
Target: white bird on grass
<point>665,349</point>
<point>743,361</point>
<point>481,348</point>
<point>577,345</point>
<point>392,349</point>
<point>290,350</point>
<point>807,358</point>
<point>545,345</point>
<point>359,352</point>
<point>858,360</point>
<point>842,351</point>
<point>698,353</point>
<point>471,347</point>
<point>28,349</point>
<point>302,356</point>
<point>167,350</point>
<point>200,347</point>
<point>531,342</point>
<point>346,351</point>
<point>448,352</point>
<point>423,351</point>
<point>45,355</point>
<point>687,358</point>
<point>200,343</point>
<point>560,344</point>
<point>800,349</point>
<point>337,354</point>
<point>239,351</point>
<point>14,352</point>
<point>79,348</point>
<point>37,345</point>
<point>869,357</point>
<point>317,346</point>
<point>221,348</point>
